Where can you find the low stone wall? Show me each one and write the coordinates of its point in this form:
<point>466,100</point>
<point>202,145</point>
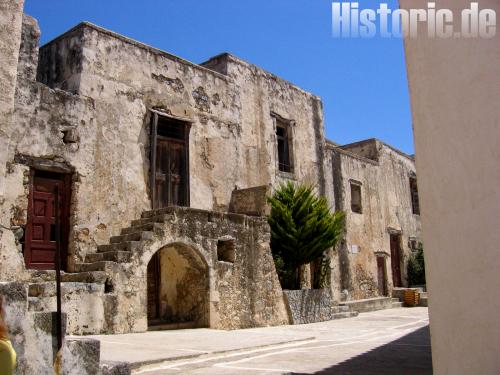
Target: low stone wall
<point>308,305</point>
<point>32,336</point>
<point>369,304</point>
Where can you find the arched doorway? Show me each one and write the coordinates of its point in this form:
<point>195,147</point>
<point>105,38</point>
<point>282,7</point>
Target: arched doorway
<point>177,289</point>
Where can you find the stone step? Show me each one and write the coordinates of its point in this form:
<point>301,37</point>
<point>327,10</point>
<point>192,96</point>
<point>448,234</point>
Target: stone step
<point>75,277</point>
<point>98,277</point>
<point>42,296</point>
<point>396,305</point>
<point>340,309</point>
<point>369,304</point>
<point>395,300</point>
<point>424,302</point>
<point>138,236</point>
<point>121,246</point>
<point>152,219</point>
<point>147,227</point>
<point>110,256</point>
<point>158,212</point>
<point>344,315</point>
<point>97,266</point>
<point>47,289</point>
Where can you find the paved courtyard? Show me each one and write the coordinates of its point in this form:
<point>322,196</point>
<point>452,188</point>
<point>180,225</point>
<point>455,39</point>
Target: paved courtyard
<point>392,341</point>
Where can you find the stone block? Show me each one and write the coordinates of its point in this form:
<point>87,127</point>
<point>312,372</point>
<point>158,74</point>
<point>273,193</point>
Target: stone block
<point>251,201</point>
<point>81,356</point>
<point>115,368</point>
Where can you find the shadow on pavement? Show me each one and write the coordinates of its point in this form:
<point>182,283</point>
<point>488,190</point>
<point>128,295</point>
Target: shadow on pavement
<point>409,355</point>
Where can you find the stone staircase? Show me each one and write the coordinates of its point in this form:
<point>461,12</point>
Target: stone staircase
<point>342,312</point>
<point>121,248</point>
<point>89,282</point>
<point>396,303</point>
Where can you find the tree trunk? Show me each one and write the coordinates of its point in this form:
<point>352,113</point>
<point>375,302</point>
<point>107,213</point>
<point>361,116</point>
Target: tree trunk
<point>305,276</point>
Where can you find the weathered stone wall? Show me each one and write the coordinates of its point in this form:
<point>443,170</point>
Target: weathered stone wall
<point>10,40</point>
<point>309,305</point>
<point>58,129</point>
<point>232,137</point>
<point>262,94</point>
<point>29,48</point>
<point>386,208</point>
<point>47,116</point>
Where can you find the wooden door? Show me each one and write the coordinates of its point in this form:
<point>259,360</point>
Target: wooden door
<point>153,285</point>
<point>395,260</point>
<point>169,162</point>
<point>171,176</point>
<point>381,274</point>
<point>42,226</point>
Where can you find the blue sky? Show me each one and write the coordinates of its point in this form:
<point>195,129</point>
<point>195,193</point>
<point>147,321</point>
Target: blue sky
<point>362,81</point>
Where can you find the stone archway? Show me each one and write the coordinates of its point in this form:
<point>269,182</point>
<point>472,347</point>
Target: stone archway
<point>177,289</point>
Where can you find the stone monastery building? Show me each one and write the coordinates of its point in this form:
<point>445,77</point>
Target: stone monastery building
<point>160,168</point>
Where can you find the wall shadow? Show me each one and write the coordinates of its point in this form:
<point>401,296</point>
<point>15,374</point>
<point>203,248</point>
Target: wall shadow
<point>408,355</point>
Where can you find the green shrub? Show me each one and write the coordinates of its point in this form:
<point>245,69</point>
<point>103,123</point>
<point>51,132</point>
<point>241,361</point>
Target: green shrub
<point>302,229</point>
<point>416,268</point>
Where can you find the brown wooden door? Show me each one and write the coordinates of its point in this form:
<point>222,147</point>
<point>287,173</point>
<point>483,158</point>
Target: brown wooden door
<point>169,162</point>
<point>153,285</point>
<point>171,173</point>
<point>395,260</point>
<point>40,242</point>
<point>381,273</point>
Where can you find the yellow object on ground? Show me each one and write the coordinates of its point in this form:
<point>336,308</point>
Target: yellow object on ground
<point>412,297</point>
<point>7,358</point>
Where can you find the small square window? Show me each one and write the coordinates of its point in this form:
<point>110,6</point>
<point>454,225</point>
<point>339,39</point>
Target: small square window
<point>226,250</point>
<point>356,197</point>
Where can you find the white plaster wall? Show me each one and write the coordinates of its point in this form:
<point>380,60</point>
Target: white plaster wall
<point>455,96</point>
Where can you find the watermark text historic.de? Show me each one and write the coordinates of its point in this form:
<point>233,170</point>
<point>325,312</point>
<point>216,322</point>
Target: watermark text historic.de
<point>350,21</point>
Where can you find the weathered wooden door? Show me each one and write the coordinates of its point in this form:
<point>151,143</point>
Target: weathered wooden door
<point>169,162</point>
<point>395,260</point>
<point>381,274</point>
<point>170,173</point>
<point>153,285</point>
<point>40,240</point>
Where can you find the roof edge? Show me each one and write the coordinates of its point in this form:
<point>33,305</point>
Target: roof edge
<point>86,24</point>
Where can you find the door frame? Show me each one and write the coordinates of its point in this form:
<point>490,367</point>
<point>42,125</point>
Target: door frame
<point>397,279</point>
<point>152,144</point>
<point>382,260</point>
<point>154,262</point>
<point>65,204</point>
